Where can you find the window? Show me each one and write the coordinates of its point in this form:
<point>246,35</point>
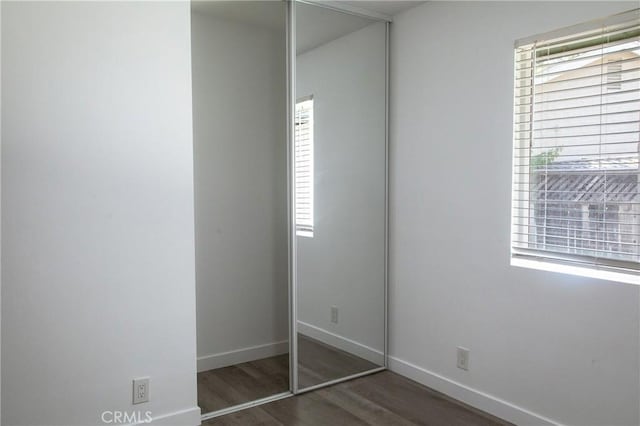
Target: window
<point>576,199</point>
<point>304,167</point>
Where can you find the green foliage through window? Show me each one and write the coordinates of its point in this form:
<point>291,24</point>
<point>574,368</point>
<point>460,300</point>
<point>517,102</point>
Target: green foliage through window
<point>545,158</point>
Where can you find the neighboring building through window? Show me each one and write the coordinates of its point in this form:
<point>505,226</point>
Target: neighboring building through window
<point>576,197</point>
<point>304,167</point>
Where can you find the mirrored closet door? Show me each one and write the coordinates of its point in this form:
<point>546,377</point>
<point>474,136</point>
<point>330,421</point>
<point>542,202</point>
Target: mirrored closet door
<point>240,154</point>
<point>340,193</point>
<point>290,142</point>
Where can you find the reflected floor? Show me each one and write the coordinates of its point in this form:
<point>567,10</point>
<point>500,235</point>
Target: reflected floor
<point>237,384</point>
<point>319,363</point>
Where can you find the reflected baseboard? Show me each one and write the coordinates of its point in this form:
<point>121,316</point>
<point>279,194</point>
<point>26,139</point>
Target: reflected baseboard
<point>238,356</point>
<point>351,346</point>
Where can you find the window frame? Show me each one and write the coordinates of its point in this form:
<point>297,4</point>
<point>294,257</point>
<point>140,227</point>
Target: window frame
<point>540,258</point>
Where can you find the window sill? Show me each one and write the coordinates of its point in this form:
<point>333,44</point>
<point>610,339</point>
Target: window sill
<point>576,270</point>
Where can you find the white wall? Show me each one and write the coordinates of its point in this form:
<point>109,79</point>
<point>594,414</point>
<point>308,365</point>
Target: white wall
<point>343,264</point>
<point>97,194</point>
<point>561,347</point>
<point>239,95</point>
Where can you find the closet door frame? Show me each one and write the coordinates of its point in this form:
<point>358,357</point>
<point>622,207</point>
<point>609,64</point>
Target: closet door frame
<point>291,203</point>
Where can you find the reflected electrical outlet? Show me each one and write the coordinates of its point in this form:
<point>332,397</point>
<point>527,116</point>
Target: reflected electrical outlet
<point>334,314</point>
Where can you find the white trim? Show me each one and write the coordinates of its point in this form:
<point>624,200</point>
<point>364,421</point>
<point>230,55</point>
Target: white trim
<point>582,271</point>
<point>188,417</point>
<point>387,68</point>
<point>238,356</point>
<point>343,343</point>
<point>291,201</point>
<point>473,397</point>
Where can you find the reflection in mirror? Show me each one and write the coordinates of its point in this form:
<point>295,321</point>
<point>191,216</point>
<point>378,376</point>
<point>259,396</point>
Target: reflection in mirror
<point>340,130</point>
<point>240,155</point>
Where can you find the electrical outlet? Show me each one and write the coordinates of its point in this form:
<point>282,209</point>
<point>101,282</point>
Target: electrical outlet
<point>463,358</point>
<point>334,314</point>
<point>140,390</point>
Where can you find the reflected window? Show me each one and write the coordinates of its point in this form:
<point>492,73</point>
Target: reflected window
<point>304,166</point>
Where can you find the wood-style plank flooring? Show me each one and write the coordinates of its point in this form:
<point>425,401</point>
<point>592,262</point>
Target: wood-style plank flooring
<point>382,399</point>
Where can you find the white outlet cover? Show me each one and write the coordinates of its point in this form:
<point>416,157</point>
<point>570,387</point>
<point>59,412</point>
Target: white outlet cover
<point>462,358</point>
<point>140,390</point>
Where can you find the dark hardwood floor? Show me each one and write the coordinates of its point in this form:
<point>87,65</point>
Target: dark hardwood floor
<point>382,399</point>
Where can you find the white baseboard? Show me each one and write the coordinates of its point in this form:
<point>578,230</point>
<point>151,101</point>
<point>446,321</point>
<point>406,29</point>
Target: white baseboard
<point>188,417</point>
<point>238,356</point>
<point>340,342</point>
<point>473,397</point>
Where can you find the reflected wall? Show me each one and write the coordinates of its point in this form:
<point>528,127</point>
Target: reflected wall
<point>240,162</point>
<point>341,66</point>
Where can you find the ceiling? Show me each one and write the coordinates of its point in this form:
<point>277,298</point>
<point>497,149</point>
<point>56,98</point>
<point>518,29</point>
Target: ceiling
<point>385,7</point>
<point>269,14</point>
<point>315,25</point>
<point>318,25</point>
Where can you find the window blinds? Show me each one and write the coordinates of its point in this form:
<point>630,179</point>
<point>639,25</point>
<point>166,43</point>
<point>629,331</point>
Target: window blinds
<point>304,167</point>
<point>576,139</point>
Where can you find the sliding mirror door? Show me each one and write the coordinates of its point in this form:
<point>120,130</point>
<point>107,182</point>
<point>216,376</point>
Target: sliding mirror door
<point>340,193</point>
<point>240,154</point>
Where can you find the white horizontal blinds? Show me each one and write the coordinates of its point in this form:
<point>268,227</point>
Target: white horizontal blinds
<point>576,196</point>
<point>304,167</point>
